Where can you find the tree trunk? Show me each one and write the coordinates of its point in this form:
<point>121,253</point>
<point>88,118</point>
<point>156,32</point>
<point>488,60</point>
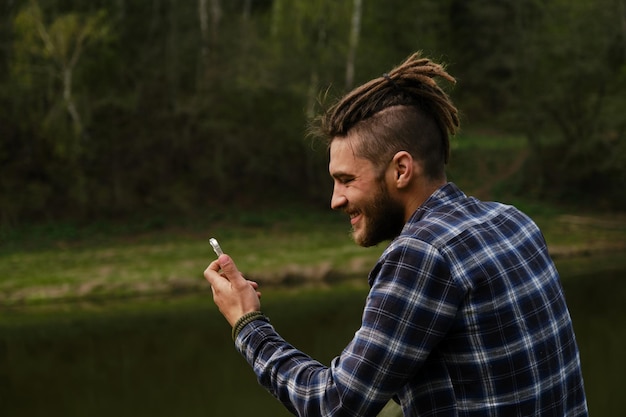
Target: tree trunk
<point>216,17</point>
<point>622,17</point>
<point>277,18</point>
<point>69,102</point>
<point>203,14</point>
<point>172,53</point>
<point>355,31</point>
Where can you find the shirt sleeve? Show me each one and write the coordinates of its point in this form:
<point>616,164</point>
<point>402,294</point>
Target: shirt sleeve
<point>410,307</point>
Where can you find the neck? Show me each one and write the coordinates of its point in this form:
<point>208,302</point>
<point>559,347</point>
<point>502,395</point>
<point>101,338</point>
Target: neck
<point>418,195</point>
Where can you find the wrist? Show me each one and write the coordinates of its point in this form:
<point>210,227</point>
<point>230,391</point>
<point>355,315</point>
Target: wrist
<point>246,319</point>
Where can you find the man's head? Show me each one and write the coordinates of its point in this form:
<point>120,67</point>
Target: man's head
<point>402,110</point>
<point>389,143</point>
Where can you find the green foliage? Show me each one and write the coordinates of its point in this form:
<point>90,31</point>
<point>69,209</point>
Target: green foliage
<point>113,107</point>
<point>571,100</point>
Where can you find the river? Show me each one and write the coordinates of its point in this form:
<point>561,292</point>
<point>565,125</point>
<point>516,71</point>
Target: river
<point>174,357</point>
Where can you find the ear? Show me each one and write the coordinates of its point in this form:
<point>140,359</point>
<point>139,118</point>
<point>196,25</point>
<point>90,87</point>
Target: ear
<point>404,169</point>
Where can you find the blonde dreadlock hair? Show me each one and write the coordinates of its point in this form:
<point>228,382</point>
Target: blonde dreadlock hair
<point>402,110</point>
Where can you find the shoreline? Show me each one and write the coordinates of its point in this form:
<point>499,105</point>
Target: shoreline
<point>571,259</point>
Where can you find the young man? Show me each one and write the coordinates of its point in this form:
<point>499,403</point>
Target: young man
<point>465,315</point>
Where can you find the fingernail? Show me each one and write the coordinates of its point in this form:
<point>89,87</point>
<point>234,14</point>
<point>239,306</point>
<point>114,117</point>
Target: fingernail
<point>224,260</point>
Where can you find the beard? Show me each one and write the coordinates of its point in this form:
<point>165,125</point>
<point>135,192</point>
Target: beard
<point>383,219</point>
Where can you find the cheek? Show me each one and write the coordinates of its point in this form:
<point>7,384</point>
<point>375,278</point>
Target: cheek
<point>362,199</point>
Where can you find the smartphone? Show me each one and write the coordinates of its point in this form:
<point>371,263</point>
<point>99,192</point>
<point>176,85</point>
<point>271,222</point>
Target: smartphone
<point>216,247</point>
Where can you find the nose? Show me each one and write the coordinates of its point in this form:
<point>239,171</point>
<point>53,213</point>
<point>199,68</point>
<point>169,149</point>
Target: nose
<point>338,199</point>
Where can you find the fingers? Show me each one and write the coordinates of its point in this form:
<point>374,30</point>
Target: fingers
<point>212,274</point>
<point>223,270</point>
<point>232,293</point>
<point>226,263</point>
<point>255,285</point>
<point>227,267</point>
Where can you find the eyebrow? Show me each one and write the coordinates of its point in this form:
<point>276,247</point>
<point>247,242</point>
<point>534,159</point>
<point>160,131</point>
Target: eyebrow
<point>339,173</point>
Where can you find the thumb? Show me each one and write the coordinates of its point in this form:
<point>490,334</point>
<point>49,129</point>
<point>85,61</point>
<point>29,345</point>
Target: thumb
<point>229,269</point>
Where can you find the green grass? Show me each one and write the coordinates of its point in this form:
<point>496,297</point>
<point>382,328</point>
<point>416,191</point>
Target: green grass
<point>275,247</point>
<point>291,249</point>
<point>281,245</point>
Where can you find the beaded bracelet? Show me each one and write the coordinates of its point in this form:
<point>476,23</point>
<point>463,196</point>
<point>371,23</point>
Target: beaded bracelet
<point>247,319</point>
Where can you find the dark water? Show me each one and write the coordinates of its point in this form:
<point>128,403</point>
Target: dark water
<point>175,358</point>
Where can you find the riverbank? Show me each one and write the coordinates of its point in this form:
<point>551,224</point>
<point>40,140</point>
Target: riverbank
<point>293,248</point>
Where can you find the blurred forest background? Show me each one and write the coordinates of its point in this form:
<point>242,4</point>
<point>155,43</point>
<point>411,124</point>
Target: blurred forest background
<point>114,107</point>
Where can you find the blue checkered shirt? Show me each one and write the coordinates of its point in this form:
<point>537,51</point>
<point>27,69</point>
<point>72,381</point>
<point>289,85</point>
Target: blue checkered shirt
<point>465,317</point>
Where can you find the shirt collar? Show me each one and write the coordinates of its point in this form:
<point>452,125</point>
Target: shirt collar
<point>442,196</point>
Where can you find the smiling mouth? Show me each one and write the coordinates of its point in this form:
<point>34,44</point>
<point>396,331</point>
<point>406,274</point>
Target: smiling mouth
<point>354,218</point>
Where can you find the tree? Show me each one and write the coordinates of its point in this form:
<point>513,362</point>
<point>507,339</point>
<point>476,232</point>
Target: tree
<point>209,32</point>
<point>61,43</point>
<point>571,92</point>
<point>353,43</point>
<point>47,142</point>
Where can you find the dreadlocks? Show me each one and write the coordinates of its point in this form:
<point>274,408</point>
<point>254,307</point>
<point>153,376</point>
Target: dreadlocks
<point>402,110</point>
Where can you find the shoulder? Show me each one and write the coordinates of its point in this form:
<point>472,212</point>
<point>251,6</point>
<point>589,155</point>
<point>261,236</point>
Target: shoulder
<point>408,256</point>
<point>449,215</point>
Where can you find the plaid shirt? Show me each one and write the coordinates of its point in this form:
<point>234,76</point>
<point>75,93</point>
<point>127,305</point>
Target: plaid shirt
<point>465,317</point>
